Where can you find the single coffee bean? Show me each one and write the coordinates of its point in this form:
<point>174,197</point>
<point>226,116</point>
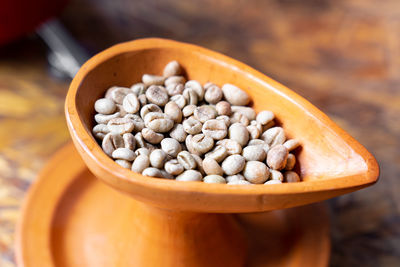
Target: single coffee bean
<point>142,151</point>
<point>173,167</point>
<point>276,175</point>
<point>199,163</point>
<point>140,142</point>
<point>201,143</point>
<point>234,95</point>
<point>140,163</point>
<point>104,106</point>
<point>196,87</point>
<point>124,163</point>
<point>256,172</point>
<point>157,158</point>
<point>254,153</point>
<point>274,136</point>
<point>178,133</point>
<point>186,160</point>
<point>172,68</point>
<point>120,125</point>
<point>149,79</point>
<point>233,164</point>
<point>157,95</point>
<point>219,153</point>
<point>190,176</point>
<point>205,113</point>
<point>152,172</point>
<point>291,144</point>
<point>254,131</point>
<point>111,142</point>
<point>100,130</point>
<point>265,117</point>
<point>190,96</point>
<point>131,103</point>
<point>291,161</point>
<point>215,129</point>
<point>214,179</point>
<point>213,94</point>
<point>223,108</point>
<point>291,177</point>
<point>158,122</point>
<point>173,111</point>
<point>138,89</point>
<point>232,146</point>
<point>188,110</point>
<point>123,153</point>
<point>149,108</point>
<point>239,117</point>
<point>192,126</point>
<point>175,89</point>
<point>104,119</point>
<point>170,146</point>
<point>277,157</point>
<point>175,80</point>
<point>179,100</point>
<point>151,136</point>
<point>246,111</point>
<point>211,166</point>
<point>225,119</point>
<point>238,132</point>
<point>117,93</point>
<point>129,141</point>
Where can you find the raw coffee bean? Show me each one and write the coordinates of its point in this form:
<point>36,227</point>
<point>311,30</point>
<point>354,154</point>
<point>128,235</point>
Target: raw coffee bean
<point>123,153</point>
<point>120,125</point>
<point>170,146</point>
<point>274,136</point>
<point>233,164</point>
<point>149,79</point>
<point>192,126</point>
<point>211,166</point>
<point>142,151</point>
<point>149,108</point>
<point>291,144</point>
<point>291,161</point>
<point>291,177</point>
<point>178,133</point>
<point>239,117</point>
<point>273,182</point>
<point>188,110</point>
<point>100,130</point>
<point>175,80</point>
<point>140,163</point>
<point>172,68</point>
<point>157,158</point>
<point>190,176</point>
<point>151,136</point>
<point>238,132</point>
<point>129,141</point>
<point>179,100</point>
<point>186,160</point>
<point>140,142</point>
<point>131,103</point>
<point>137,122</point>
<point>158,122</point>
<point>254,153</point>
<point>196,86</point>
<point>204,113</point>
<point>277,157</point>
<point>256,172</point>
<point>276,175</point>
<point>265,117</point>
<point>111,142</point>
<point>225,119</point>
<point>173,111</point>
<point>124,163</point>
<point>254,131</point>
<point>157,95</point>
<point>232,146</point>
<point>199,163</point>
<point>201,143</point>
<point>246,111</point>
<point>236,177</point>
<point>173,167</point>
<point>117,94</point>
<point>214,179</point>
<point>152,172</point>
<point>138,89</point>
<point>223,108</point>
<point>234,95</point>
<point>213,94</point>
<point>105,106</point>
<point>142,100</point>
<point>104,119</point>
<point>188,144</point>
<point>175,89</point>
<point>190,96</point>
<point>215,129</point>
<point>219,153</point>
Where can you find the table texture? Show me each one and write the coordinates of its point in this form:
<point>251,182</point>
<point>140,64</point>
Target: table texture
<point>343,56</point>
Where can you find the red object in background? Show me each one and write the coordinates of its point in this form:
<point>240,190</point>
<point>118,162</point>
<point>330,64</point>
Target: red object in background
<point>19,17</point>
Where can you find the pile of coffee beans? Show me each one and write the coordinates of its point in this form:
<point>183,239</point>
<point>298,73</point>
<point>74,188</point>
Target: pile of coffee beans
<point>168,127</point>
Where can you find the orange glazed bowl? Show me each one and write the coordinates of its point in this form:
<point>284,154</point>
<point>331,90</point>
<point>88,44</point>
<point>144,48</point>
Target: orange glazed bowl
<point>330,162</point>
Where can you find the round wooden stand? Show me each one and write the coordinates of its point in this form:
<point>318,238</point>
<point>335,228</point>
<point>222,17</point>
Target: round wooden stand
<point>70,218</point>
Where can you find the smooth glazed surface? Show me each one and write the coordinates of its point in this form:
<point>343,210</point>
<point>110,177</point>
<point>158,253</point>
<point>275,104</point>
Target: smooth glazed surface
<point>331,162</point>
<point>72,219</point>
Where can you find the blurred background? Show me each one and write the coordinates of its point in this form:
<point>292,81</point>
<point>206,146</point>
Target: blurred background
<point>343,56</point>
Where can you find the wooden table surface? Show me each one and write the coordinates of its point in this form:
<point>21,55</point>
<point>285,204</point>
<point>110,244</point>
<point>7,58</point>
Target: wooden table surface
<point>343,56</point>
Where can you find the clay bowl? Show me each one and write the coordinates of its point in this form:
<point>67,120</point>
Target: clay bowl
<point>330,161</point>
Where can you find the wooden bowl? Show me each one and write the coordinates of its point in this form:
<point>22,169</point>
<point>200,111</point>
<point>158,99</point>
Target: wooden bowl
<point>330,161</point>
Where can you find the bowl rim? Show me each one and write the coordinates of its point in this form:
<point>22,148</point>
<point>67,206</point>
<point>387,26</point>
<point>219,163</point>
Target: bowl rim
<point>87,144</point>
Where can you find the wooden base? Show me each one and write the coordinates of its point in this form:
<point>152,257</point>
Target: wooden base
<point>72,219</point>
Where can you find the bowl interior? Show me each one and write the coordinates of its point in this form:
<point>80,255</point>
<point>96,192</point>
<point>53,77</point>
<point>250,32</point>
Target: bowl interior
<point>327,153</point>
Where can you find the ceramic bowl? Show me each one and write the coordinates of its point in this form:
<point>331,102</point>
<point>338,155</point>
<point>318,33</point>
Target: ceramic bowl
<point>330,161</point>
